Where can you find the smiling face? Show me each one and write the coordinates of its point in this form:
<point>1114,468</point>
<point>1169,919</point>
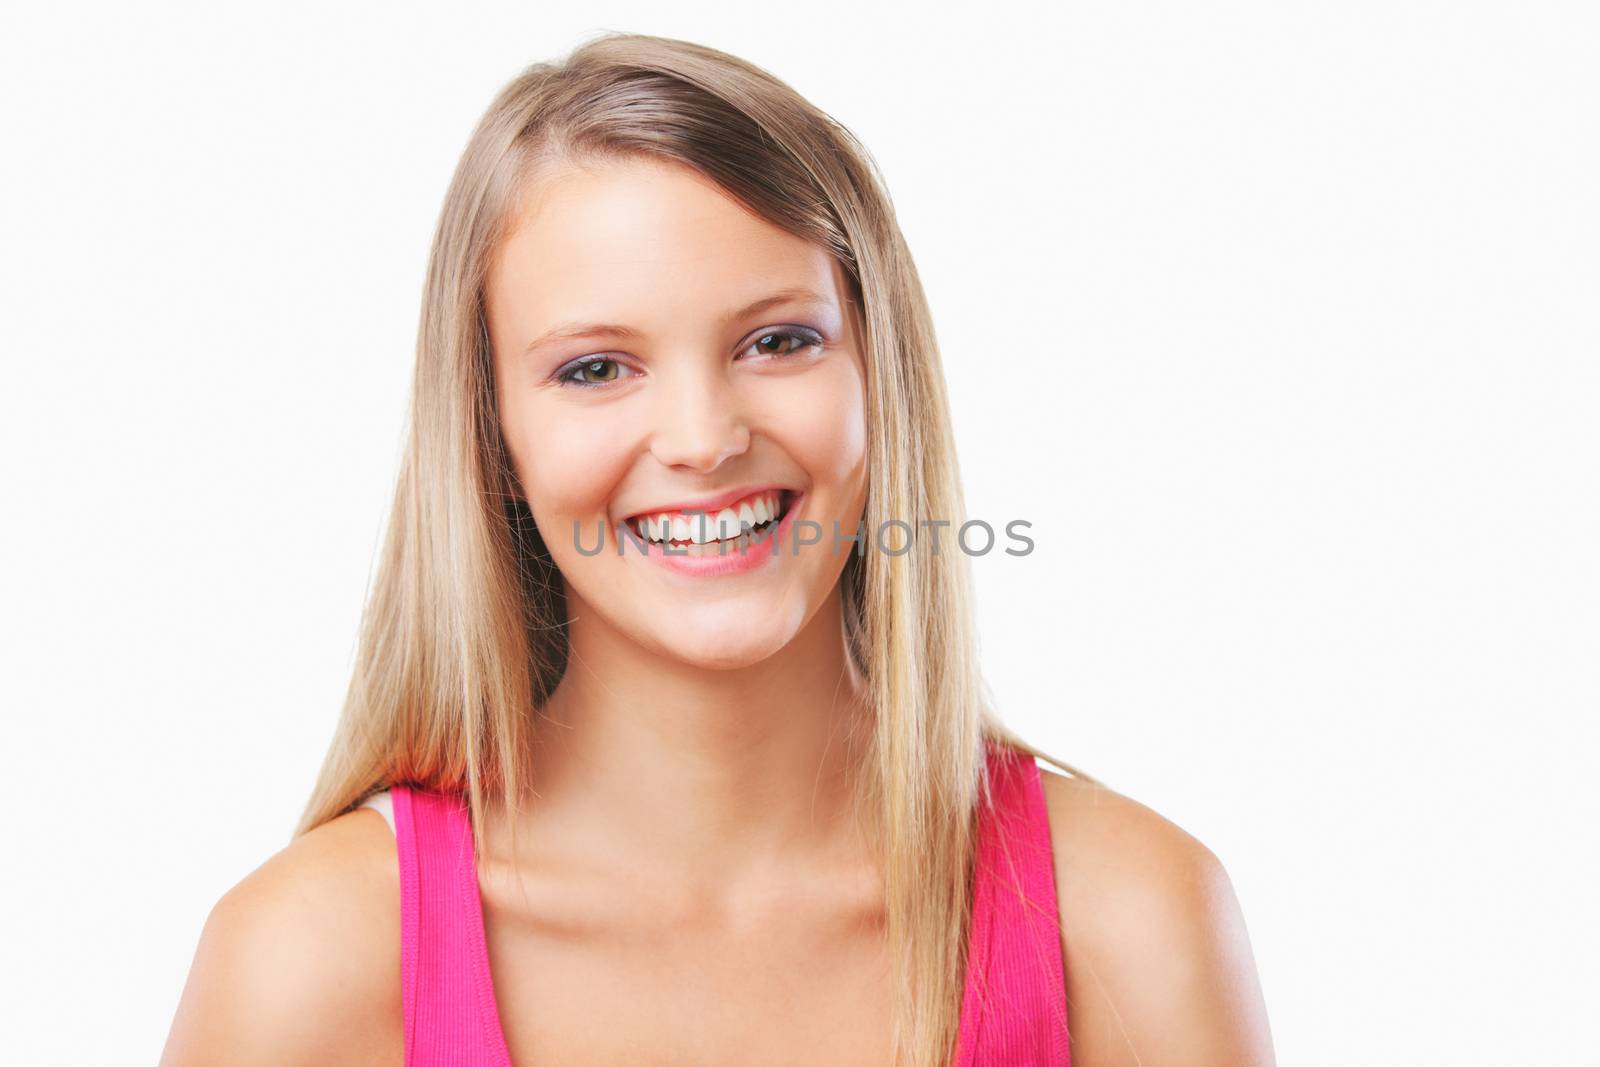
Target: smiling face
<point>728,379</point>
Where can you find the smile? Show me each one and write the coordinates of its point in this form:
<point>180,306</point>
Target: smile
<point>714,531</point>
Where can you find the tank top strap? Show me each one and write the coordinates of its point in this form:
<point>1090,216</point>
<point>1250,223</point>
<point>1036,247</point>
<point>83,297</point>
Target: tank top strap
<point>448,997</point>
<point>1014,1008</point>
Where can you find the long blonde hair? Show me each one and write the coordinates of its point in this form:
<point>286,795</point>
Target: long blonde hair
<point>462,637</point>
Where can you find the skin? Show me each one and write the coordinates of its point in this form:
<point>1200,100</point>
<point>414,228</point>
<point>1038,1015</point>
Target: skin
<point>692,853</point>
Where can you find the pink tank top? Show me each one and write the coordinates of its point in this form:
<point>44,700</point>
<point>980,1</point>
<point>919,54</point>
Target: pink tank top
<point>1013,1010</point>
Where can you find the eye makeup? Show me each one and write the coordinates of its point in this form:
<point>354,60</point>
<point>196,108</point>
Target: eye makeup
<point>570,374</point>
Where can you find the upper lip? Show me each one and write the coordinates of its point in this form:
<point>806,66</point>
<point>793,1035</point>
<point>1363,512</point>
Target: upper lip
<point>708,504</point>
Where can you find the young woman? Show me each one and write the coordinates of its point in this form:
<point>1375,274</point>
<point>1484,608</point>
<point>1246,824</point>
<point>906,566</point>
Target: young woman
<point>645,760</point>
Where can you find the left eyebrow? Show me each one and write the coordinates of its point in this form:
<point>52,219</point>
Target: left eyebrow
<point>568,331</point>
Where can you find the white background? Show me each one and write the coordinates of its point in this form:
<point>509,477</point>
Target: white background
<point>1278,321</point>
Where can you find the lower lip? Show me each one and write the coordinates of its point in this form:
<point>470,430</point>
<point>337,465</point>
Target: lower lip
<point>718,561</point>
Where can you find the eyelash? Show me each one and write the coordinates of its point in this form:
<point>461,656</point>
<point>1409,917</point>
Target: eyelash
<point>809,339</point>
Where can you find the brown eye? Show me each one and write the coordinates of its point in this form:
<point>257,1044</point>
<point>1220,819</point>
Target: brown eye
<point>601,370</point>
<point>592,372</point>
<point>772,342</point>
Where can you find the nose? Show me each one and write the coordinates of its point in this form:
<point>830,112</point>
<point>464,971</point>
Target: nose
<point>699,422</point>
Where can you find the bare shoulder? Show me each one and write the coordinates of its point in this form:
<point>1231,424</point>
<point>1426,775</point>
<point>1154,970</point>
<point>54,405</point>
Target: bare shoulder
<point>300,962</point>
<point>1158,961</point>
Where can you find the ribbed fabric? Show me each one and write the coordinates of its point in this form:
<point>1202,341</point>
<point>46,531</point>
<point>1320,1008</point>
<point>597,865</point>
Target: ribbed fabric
<point>451,1017</point>
<point>1013,1010</point>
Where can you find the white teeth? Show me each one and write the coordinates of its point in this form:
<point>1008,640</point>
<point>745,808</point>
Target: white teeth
<point>699,528</point>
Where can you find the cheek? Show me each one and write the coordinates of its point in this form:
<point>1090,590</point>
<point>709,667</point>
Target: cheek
<point>569,463</point>
<point>821,423</point>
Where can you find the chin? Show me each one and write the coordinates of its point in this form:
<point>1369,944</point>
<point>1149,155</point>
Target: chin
<point>726,651</point>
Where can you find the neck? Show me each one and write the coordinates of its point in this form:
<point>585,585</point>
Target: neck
<point>704,775</point>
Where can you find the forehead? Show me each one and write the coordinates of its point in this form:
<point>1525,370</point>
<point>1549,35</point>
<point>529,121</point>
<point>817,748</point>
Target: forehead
<point>642,238</point>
